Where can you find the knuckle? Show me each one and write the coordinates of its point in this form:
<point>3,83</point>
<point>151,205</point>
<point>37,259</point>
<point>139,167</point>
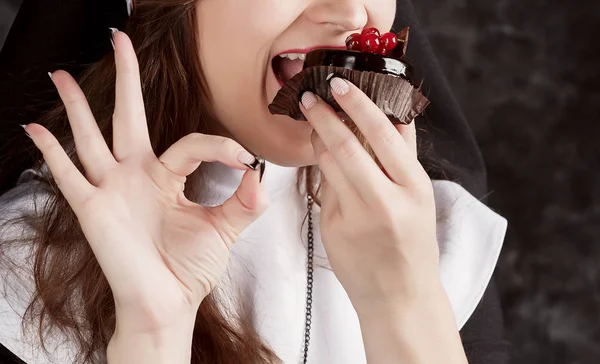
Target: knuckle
<point>50,146</point>
<point>390,220</point>
<point>385,132</point>
<point>355,101</point>
<point>87,140</point>
<point>423,191</point>
<point>319,113</point>
<point>196,137</point>
<point>346,148</point>
<point>325,157</point>
<point>62,176</point>
<point>73,98</point>
<point>229,145</point>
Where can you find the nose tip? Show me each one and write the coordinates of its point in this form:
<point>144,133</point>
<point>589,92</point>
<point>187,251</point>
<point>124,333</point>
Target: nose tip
<point>353,16</point>
<point>355,19</point>
<point>346,14</point>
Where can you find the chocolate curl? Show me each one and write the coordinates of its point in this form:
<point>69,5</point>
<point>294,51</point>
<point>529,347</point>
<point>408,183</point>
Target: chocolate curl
<point>400,50</point>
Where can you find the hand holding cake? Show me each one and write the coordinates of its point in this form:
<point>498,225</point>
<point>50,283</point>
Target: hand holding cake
<point>373,62</point>
<point>377,229</point>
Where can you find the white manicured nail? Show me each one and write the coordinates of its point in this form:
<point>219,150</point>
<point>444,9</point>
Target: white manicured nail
<point>339,86</point>
<point>245,157</point>
<point>308,100</point>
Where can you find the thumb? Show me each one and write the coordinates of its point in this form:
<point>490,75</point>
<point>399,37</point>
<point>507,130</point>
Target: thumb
<point>248,202</point>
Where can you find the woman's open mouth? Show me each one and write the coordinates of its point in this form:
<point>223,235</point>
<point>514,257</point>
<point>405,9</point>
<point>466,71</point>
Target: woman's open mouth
<point>287,65</point>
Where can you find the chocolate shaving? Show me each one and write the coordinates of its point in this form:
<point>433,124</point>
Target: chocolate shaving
<point>400,50</point>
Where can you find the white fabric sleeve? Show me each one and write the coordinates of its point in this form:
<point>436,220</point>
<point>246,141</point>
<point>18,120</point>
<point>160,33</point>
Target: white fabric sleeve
<point>16,289</point>
<point>470,238</point>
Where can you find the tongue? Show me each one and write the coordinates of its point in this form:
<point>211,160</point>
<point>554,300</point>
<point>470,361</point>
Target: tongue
<point>289,68</point>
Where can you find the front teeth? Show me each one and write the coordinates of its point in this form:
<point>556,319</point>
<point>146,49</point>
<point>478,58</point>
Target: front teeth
<point>293,56</point>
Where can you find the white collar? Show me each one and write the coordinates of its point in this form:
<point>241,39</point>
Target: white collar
<point>470,237</point>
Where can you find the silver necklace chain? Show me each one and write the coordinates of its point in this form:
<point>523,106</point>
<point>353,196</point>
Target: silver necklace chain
<point>309,279</point>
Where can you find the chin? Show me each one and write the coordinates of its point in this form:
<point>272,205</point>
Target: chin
<point>292,161</point>
<point>291,157</point>
<point>289,145</point>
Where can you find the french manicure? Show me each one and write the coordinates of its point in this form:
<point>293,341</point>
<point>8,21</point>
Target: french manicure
<point>261,160</point>
<point>246,158</point>
<point>308,100</point>
<point>25,126</point>
<point>50,75</point>
<point>112,36</point>
<point>338,85</point>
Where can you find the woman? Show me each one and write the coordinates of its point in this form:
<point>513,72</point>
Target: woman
<point>128,267</point>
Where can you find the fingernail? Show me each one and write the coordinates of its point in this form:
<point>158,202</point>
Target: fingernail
<point>50,75</point>
<point>25,126</point>
<point>112,36</point>
<point>262,163</point>
<point>308,100</point>
<point>246,158</point>
<point>338,85</point>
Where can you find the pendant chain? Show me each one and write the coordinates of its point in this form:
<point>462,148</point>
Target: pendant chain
<point>309,279</point>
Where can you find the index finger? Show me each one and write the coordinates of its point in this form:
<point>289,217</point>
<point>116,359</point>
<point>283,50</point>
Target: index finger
<point>130,129</point>
<point>393,151</point>
<point>409,132</point>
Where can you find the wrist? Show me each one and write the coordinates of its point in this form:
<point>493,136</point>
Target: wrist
<point>411,294</point>
<point>172,345</point>
<point>421,329</point>
<point>143,338</point>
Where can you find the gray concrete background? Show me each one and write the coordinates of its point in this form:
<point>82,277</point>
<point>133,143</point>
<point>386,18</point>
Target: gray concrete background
<point>526,75</point>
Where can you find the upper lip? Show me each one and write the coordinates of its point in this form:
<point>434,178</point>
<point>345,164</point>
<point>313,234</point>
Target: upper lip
<point>308,49</point>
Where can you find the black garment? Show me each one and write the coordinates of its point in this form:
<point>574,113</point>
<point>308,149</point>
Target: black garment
<point>6,357</point>
<point>69,34</point>
<point>46,35</point>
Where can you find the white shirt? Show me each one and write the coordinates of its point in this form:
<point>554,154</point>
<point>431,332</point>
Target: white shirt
<point>268,267</point>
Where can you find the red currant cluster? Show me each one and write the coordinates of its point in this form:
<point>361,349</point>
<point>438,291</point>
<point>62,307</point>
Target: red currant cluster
<point>370,41</point>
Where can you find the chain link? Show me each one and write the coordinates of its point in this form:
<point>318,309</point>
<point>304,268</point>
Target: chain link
<point>309,279</point>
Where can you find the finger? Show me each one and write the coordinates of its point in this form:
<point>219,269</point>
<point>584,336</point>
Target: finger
<point>409,133</point>
<point>333,175</point>
<point>184,157</point>
<point>330,204</point>
<point>390,147</point>
<point>248,202</point>
<point>69,180</point>
<point>354,161</point>
<point>93,152</point>
<point>130,130</point>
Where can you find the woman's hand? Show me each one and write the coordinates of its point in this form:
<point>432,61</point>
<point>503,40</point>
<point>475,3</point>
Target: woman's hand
<point>161,253</point>
<point>379,231</point>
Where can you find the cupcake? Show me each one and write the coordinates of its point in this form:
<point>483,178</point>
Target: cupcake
<point>373,62</point>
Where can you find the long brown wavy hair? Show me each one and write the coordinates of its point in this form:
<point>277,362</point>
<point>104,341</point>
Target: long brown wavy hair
<point>72,294</point>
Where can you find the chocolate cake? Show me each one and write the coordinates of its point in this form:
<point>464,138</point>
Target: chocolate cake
<point>373,62</point>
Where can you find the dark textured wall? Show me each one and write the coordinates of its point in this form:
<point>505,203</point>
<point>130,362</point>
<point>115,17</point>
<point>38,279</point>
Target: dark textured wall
<point>526,73</point>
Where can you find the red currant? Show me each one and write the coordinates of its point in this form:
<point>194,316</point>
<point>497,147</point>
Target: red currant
<point>389,41</point>
<point>369,43</point>
<point>371,30</point>
<point>353,42</point>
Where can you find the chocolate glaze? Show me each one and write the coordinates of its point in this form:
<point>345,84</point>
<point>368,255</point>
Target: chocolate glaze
<point>360,61</point>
